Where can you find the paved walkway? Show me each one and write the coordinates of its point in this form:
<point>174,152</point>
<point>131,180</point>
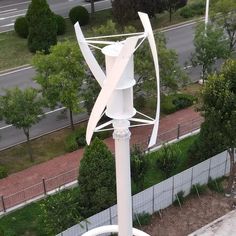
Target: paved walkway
<point>70,162</point>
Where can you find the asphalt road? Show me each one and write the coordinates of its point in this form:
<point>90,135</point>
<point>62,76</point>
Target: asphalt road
<point>179,38</point>
<point>11,9</point>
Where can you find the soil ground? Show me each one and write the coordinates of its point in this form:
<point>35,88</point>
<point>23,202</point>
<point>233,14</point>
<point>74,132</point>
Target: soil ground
<point>194,214</point>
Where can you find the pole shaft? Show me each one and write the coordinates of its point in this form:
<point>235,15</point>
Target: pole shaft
<point>121,136</point>
<point>206,14</point>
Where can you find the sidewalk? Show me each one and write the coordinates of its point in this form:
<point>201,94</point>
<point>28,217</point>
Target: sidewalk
<point>14,183</point>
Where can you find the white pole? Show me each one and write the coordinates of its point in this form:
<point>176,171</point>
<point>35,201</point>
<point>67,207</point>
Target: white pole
<point>206,14</point>
<point>121,136</point>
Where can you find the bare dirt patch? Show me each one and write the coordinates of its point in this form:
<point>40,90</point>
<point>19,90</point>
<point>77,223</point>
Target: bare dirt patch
<point>194,214</point>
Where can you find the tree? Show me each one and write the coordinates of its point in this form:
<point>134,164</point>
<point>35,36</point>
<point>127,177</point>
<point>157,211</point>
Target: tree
<point>60,212</point>
<point>171,75</point>
<point>96,179</point>
<point>227,19</point>
<point>219,109</point>
<point>42,26</point>
<point>138,166</point>
<point>210,45</point>
<point>22,110</point>
<point>60,75</point>
<point>172,6</point>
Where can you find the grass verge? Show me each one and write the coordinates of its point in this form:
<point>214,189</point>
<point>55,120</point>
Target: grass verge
<point>14,51</point>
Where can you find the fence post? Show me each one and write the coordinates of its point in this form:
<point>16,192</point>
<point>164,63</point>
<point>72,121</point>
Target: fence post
<point>192,178</point>
<point>226,161</point>
<point>44,186</point>
<point>153,199</point>
<point>3,204</point>
<point>178,131</point>
<point>173,188</point>
<point>209,171</point>
<point>110,215</point>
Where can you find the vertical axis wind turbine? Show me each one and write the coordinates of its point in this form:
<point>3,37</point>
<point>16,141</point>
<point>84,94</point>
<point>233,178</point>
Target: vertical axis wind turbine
<point>116,100</point>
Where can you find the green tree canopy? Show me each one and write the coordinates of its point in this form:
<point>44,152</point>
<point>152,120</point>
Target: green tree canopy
<point>60,75</point>
<point>22,110</point>
<point>96,179</point>
<point>42,26</point>
<point>210,45</point>
<point>227,18</point>
<point>219,110</point>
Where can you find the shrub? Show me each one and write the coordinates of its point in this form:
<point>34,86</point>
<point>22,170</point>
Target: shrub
<point>195,9</point>
<point>197,187</point>
<point>168,158</point>
<point>138,165</point>
<point>79,14</point>
<point>142,219</point>
<point>182,101</point>
<point>42,26</point>
<point>140,102</point>
<point>21,27</point>
<point>75,140</point>
<point>167,105</point>
<point>61,24</point>
<point>215,185</point>
<point>96,178</point>
<point>179,198</point>
<point>186,12</point>
<point>175,102</point>
<point>3,172</point>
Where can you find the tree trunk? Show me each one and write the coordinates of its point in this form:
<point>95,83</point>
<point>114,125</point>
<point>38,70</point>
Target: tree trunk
<point>92,7</point>
<point>71,120</point>
<point>170,15</point>
<point>232,171</point>
<point>29,145</point>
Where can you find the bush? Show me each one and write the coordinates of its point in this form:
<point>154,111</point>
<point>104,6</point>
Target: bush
<point>75,140</point>
<point>182,101</point>
<point>186,12</point>
<point>138,165</point>
<point>42,26</point>
<point>197,187</point>
<point>79,14</point>
<point>180,199</point>
<point>142,219</point>
<point>168,158</point>
<point>21,27</point>
<point>167,105</point>
<point>3,172</point>
<point>61,24</point>
<point>195,9</point>
<point>215,185</point>
<point>175,102</point>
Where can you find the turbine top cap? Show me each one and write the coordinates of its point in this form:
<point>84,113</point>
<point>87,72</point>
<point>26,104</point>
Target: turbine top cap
<point>112,50</point>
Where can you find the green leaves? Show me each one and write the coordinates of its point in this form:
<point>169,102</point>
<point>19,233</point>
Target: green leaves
<point>60,75</point>
<point>96,178</point>
<point>21,108</point>
<point>210,45</point>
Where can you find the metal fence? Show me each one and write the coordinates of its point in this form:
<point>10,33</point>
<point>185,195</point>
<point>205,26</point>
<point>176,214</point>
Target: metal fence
<point>41,189</point>
<point>161,195</point>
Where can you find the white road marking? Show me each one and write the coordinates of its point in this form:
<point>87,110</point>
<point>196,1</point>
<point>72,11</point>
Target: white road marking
<point>7,11</point>
<point>8,17</point>
<point>15,4</point>
<point>11,24</point>
<point>15,71</point>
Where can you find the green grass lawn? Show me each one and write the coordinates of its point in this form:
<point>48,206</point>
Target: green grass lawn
<point>26,221</point>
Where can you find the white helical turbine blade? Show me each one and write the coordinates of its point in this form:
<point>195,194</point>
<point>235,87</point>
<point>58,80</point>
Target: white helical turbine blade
<point>110,84</point>
<point>148,30</point>
<point>88,55</point>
